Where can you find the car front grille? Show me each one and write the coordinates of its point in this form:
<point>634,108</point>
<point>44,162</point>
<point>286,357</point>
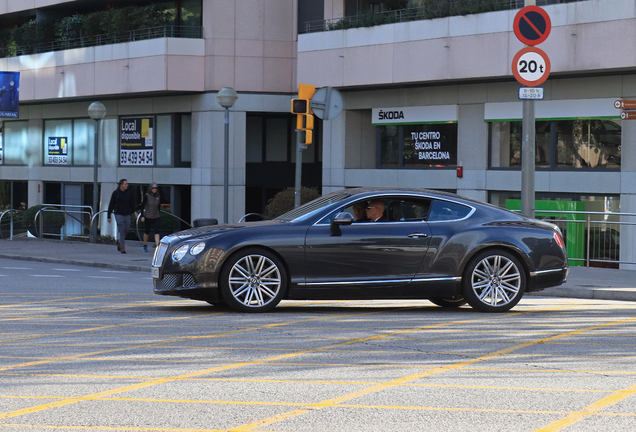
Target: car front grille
<point>172,281</point>
<point>160,253</point>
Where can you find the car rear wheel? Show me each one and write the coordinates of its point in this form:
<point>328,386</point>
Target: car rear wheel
<point>494,281</point>
<point>448,302</point>
<point>253,280</point>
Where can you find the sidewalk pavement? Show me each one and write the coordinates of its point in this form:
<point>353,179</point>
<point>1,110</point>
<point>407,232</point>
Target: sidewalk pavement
<point>583,282</point>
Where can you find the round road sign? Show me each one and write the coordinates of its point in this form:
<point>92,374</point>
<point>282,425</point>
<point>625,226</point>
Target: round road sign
<point>532,25</point>
<point>531,66</point>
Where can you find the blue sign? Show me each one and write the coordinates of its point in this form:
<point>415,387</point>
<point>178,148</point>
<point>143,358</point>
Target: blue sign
<point>57,150</point>
<point>9,94</point>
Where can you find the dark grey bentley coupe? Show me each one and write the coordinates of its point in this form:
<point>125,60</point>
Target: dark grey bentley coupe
<point>424,245</point>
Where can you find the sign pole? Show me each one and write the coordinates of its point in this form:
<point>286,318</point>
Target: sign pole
<point>527,159</point>
<point>527,153</point>
<point>299,167</point>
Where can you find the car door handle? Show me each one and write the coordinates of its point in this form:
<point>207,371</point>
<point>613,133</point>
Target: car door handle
<point>418,235</point>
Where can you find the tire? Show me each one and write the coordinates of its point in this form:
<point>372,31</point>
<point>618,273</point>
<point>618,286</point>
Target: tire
<point>448,302</point>
<point>253,280</point>
<point>494,281</point>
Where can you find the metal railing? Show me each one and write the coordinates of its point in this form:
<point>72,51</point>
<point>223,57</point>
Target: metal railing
<point>161,212</point>
<point>70,212</point>
<point>592,238</point>
<point>193,32</point>
<point>12,223</point>
<point>443,8</point>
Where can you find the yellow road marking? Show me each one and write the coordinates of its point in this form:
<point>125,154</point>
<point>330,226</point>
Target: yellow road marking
<point>590,410</point>
<point>433,371</point>
<point>224,367</point>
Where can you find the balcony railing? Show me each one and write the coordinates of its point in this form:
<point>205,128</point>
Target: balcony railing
<point>443,8</point>
<point>172,31</point>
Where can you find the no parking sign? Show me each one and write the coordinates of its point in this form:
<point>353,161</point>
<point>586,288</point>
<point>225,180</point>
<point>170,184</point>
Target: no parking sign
<point>531,66</point>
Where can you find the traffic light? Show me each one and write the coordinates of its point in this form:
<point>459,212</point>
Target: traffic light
<point>302,105</point>
<point>304,122</point>
<point>307,137</point>
<point>302,108</point>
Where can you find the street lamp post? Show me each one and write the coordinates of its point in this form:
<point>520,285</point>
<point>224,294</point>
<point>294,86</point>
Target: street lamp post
<point>226,97</point>
<point>96,111</point>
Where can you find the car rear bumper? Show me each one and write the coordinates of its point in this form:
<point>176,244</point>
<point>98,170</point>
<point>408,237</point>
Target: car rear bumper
<point>547,278</point>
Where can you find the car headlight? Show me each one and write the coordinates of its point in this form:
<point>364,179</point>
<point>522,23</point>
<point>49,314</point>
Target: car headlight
<point>197,248</point>
<point>180,252</point>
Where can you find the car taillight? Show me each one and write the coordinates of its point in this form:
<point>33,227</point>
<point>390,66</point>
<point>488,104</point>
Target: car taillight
<point>559,239</point>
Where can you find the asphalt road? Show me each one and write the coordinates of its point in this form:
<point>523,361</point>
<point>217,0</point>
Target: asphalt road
<point>92,349</point>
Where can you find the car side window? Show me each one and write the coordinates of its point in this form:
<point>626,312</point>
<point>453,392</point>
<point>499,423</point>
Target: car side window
<point>413,211</point>
<point>446,210</point>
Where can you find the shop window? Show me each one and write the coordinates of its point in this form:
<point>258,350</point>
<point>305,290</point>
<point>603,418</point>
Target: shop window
<point>417,145</point>
<point>162,140</point>
<point>18,190</point>
<point>15,142</point>
<point>276,139</point>
<point>585,143</point>
<point>69,142</point>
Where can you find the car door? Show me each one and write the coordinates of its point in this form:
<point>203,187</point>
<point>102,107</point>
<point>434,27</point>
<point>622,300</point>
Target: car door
<point>368,255</point>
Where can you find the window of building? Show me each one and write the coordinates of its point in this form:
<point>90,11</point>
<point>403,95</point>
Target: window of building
<point>15,141</point>
<point>424,145</point>
<point>16,190</point>
<point>162,140</point>
<point>577,143</point>
<point>69,142</point>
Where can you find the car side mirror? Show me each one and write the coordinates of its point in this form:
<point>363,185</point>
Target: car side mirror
<point>343,218</point>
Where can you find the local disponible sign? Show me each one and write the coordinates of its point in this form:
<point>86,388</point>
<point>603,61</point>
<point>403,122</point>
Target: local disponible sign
<point>57,150</point>
<point>136,141</point>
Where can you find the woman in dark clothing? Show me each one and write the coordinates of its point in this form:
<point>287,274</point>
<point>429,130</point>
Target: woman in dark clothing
<point>150,207</point>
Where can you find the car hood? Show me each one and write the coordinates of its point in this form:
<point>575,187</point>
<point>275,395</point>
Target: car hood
<point>218,229</point>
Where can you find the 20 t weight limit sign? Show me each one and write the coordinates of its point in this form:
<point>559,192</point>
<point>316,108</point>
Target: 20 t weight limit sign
<point>531,66</point>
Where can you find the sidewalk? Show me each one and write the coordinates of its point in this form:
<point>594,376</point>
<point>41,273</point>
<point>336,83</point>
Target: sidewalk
<point>583,282</point>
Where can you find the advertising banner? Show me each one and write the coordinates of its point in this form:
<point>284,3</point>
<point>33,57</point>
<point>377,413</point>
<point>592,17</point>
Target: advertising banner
<point>57,151</point>
<point>430,145</point>
<point>9,94</point>
<point>136,141</point>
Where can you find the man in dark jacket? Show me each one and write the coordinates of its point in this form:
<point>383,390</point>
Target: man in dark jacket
<point>123,205</point>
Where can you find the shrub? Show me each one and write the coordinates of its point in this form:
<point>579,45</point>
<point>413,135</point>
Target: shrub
<point>283,201</point>
<point>93,23</point>
<point>49,218</point>
<point>70,28</point>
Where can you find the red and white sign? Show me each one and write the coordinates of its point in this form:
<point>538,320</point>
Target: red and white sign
<point>532,25</point>
<point>628,115</point>
<point>531,66</point>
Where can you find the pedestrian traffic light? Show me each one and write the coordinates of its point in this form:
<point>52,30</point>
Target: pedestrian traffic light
<point>306,137</point>
<point>305,122</point>
<point>302,105</point>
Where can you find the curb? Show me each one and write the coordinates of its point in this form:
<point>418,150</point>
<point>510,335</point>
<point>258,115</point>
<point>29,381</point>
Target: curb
<point>79,263</point>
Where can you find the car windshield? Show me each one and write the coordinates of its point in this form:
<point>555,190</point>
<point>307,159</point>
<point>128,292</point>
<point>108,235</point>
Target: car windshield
<point>306,210</point>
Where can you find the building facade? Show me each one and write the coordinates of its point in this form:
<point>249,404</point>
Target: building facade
<point>426,97</point>
<point>427,103</point>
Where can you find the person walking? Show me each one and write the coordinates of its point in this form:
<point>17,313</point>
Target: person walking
<point>150,211</point>
<point>123,205</point>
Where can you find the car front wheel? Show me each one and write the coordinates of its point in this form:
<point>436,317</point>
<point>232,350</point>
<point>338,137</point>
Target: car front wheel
<point>494,281</point>
<point>253,280</point>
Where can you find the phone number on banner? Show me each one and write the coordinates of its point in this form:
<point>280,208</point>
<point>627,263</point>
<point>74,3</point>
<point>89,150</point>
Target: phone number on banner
<point>136,157</point>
